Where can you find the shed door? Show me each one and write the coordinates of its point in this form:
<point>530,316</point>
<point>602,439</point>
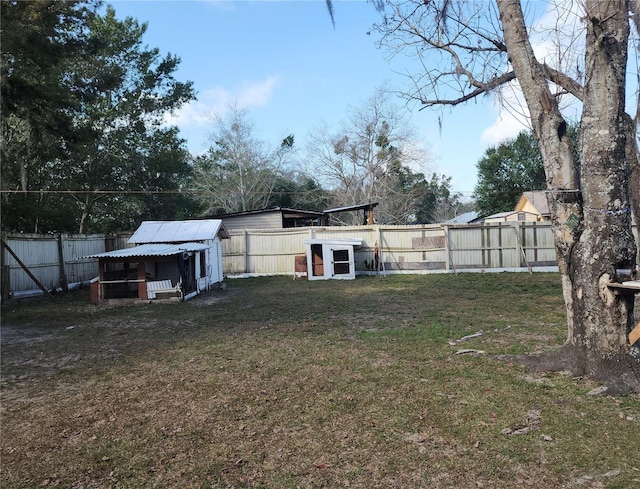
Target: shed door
<point>342,262</point>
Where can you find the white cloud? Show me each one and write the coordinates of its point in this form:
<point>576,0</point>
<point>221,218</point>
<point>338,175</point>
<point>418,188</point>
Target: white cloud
<point>512,116</point>
<point>217,100</point>
<point>505,127</point>
<point>257,94</point>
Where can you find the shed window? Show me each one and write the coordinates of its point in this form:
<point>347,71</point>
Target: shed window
<point>341,264</point>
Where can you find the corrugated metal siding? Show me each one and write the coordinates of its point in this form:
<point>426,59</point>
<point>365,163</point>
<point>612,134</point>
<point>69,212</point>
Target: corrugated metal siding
<point>79,245</point>
<point>40,253</point>
<point>152,250</point>
<point>176,231</point>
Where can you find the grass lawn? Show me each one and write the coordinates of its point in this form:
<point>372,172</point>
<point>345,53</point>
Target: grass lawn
<point>278,383</point>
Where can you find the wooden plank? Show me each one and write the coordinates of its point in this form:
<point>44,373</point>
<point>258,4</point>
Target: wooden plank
<point>428,242</point>
<point>415,265</point>
<point>634,335</point>
<point>630,287</point>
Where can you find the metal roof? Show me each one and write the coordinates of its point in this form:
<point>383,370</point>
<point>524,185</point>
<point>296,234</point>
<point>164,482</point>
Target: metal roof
<point>178,231</point>
<point>370,205</point>
<point>538,199</point>
<point>335,241</point>
<point>282,210</point>
<point>150,250</point>
<point>464,218</point>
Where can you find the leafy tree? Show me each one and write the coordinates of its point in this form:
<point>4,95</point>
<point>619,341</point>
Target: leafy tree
<point>466,50</point>
<point>505,171</point>
<point>108,94</point>
<point>437,202</point>
<point>127,89</point>
<point>37,39</point>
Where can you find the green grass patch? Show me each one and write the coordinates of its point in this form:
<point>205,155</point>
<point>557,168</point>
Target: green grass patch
<point>279,383</point>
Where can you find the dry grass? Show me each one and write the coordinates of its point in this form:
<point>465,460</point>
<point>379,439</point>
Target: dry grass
<point>275,383</point>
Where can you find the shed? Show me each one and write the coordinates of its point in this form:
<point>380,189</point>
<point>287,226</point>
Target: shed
<point>274,218</point>
<point>172,259</point>
<point>366,208</point>
<point>331,258</point>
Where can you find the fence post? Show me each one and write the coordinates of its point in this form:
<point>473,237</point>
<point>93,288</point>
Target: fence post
<point>447,243</point>
<point>246,250</point>
<point>5,273</point>
<point>63,272</point>
<point>520,245</point>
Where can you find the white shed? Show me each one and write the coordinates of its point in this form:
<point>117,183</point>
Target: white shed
<point>172,259</point>
<point>331,258</point>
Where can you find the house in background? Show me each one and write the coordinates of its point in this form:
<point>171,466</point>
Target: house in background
<point>531,207</point>
<point>520,216</point>
<point>171,260</point>
<point>274,218</point>
<point>534,202</point>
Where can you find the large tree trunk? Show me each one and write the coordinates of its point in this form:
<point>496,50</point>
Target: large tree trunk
<point>590,207</point>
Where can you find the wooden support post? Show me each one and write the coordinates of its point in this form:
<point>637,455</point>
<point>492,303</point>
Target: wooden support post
<point>246,250</point>
<point>5,275</point>
<point>26,269</point>
<point>5,282</point>
<point>379,258</point>
<point>142,281</point>
<point>516,229</point>
<point>450,263</point>
<point>634,335</point>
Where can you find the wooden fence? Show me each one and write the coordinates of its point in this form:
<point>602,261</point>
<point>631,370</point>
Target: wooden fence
<point>53,262</point>
<point>402,249</point>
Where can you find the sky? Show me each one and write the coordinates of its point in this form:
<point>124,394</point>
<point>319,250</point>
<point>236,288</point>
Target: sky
<point>286,64</point>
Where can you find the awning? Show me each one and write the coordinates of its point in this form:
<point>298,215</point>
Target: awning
<point>151,250</point>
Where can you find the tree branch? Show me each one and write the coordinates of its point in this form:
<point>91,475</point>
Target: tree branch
<point>481,90</point>
<point>564,81</point>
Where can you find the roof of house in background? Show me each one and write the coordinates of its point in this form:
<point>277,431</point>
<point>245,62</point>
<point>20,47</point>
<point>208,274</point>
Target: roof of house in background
<point>178,231</point>
<point>537,199</point>
<point>464,218</point>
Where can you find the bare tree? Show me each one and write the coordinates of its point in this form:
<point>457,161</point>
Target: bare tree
<point>468,49</point>
<point>368,158</point>
<point>237,173</point>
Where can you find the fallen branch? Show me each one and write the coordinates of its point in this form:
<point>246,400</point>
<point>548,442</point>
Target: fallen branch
<point>466,351</point>
<point>465,338</point>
